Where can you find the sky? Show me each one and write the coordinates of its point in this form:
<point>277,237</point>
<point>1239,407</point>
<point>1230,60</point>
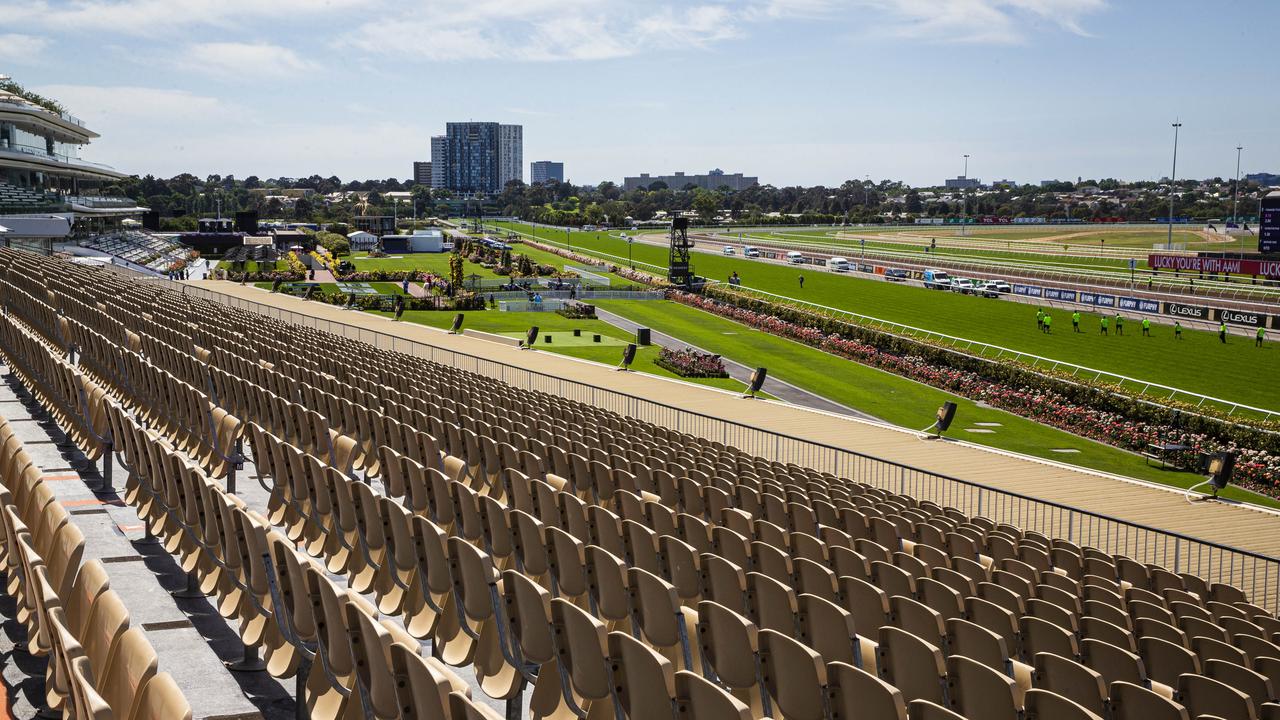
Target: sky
<point>796,92</point>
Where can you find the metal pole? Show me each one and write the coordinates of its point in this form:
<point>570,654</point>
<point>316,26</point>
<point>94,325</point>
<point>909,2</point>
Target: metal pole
<point>964,227</point>
<point>1235,195</point>
<point>1172,178</point>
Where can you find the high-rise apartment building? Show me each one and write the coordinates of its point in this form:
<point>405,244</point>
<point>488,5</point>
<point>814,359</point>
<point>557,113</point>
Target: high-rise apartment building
<point>439,161</point>
<point>510,154</point>
<point>422,173</point>
<point>477,157</point>
<point>541,171</point>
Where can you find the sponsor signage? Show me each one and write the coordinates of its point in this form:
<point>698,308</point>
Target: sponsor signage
<point>1193,312</point>
<point>1028,290</point>
<point>1243,317</point>
<point>1104,300</point>
<point>1063,295</point>
<point>1217,265</point>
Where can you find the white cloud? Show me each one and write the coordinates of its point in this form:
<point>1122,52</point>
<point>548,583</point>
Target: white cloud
<point>155,17</point>
<point>238,61</point>
<point>978,21</point>
<point>543,30</point>
<point>18,48</point>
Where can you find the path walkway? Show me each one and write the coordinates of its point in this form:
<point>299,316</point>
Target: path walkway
<point>777,388</point>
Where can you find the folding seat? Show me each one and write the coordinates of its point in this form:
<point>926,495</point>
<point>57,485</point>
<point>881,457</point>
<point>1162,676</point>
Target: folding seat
<point>1237,627</point>
<point>1056,614</point>
<point>977,691</point>
<point>829,630</point>
<point>1003,596</point>
<point>697,699</point>
<point>294,613</point>
<point>892,579</point>
<point>1145,609</point>
<point>859,694</point>
<point>130,666</point>
<point>1151,628</point>
<point>660,619</point>
<point>1108,632</point>
<point>1211,649</point>
<point>996,619</point>
<point>1221,610</point>
<point>1223,593</point>
<point>1043,636</point>
<point>644,681</point>
<point>925,710</point>
<point>912,665</point>
<point>1203,695</point>
<point>1064,592</point>
<point>107,621</point>
<point>960,584</point>
<point>724,582</point>
<point>794,676</point>
<point>88,703</point>
<point>868,604</point>
<point>1165,661</point>
<point>1047,705</point>
<point>730,650</point>
<point>812,577</point>
<point>582,656</point>
<point>331,681</point>
<point>1257,649</point>
<point>567,564</point>
<point>771,604</point>
<point>919,620</point>
<point>1072,680</point>
<point>1133,702</point>
<point>1194,627</point>
<point>680,563</point>
<point>1255,685</point>
<point>161,698</point>
<point>607,587</point>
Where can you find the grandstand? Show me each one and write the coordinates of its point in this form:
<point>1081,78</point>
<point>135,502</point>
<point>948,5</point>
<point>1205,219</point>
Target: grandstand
<point>14,199</point>
<point>139,247</point>
<point>406,536</point>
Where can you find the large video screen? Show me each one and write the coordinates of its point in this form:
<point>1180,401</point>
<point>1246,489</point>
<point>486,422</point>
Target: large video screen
<point>1269,228</point>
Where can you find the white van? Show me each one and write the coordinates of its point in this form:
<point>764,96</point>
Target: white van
<point>795,258</point>
<point>838,264</point>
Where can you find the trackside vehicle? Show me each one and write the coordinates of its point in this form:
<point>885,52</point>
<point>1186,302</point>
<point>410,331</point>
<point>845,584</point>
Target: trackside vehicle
<point>937,280</point>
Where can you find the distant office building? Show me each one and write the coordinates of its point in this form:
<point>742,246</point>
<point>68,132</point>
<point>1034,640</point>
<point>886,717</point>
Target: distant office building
<point>962,183</point>
<point>510,154</point>
<point>422,173</point>
<point>477,157</point>
<point>439,161</point>
<point>713,180</point>
<point>543,170</point>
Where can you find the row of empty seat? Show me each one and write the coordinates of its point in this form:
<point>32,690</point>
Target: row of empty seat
<point>14,197</point>
<point>98,666</point>
<point>138,247</point>
<point>606,566</point>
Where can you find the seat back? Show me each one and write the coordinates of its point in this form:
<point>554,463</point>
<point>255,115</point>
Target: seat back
<point>980,692</point>
<point>1133,702</point>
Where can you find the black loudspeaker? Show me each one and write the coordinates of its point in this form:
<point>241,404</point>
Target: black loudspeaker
<point>247,222</point>
<point>680,223</point>
<point>151,220</point>
<point>757,379</point>
<point>532,338</point>
<point>642,336</point>
<point>457,324</point>
<point>628,355</point>
<point>275,285</point>
<point>946,414</point>
<point>1221,466</point>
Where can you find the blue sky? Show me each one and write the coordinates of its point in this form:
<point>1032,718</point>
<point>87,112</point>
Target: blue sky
<point>794,91</point>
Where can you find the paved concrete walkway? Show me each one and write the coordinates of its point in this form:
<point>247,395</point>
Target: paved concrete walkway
<point>777,388</point>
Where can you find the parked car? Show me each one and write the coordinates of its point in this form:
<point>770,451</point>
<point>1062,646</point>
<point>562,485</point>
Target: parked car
<point>995,288</point>
<point>937,280</point>
<point>838,264</point>
<point>749,251</point>
<point>966,286</point>
<point>728,249</point>
<point>795,258</point>
<point>896,275</point>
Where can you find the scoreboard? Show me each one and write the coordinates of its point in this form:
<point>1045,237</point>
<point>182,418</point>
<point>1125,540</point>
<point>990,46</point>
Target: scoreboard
<point>1269,228</point>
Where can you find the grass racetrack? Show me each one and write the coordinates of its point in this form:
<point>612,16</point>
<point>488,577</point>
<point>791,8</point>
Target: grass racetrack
<point>892,398</point>
<point>1198,363</point>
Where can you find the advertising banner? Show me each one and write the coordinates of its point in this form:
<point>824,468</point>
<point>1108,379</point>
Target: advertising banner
<point>1215,265</point>
<point>1191,312</point>
<point>1242,317</point>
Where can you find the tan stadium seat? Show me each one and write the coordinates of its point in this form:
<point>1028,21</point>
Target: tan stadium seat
<point>1047,705</point>
<point>698,699</point>
<point>582,654</point>
<point>730,650</point>
<point>1166,661</point>
<point>1072,680</point>
<point>912,665</point>
<point>162,700</point>
<point>89,704</point>
<point>978,691</point>
<point>1133,702</point>
<point>129,668</point>
<point>1255,685</point>
<point>795,677</point>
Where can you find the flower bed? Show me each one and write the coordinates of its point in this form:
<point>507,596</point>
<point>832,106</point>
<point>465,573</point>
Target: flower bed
<point>577,311</point>
<point>1257,469</point>
<point>691,363</point>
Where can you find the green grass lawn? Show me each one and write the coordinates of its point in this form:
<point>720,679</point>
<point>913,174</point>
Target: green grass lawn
<point>892,398</point>
<point>1199,363</point>
<point>516,324</point>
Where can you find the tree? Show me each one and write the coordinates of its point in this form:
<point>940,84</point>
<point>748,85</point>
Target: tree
<point>707,204</point>
<point>913,204</point>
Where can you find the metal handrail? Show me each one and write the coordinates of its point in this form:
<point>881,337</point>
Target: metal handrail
<point>1255,573</point>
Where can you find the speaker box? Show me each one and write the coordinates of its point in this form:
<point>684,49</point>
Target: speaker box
<point>628,354</point>
<point>680,223</point>
<point>642,336</point>
<point>531,339</point>
<point>946,414</point>
<point>151,220</point>
<point>757,379</point>
<point>457,324</point>
<point>247,222</point>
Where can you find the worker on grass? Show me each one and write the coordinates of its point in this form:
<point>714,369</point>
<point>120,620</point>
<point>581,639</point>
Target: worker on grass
<point>1040,319</point>
<point>1075,321</point>
<point>1119,324</point>
<point>1104,325</point>
<point>1177,329</point>
<point>1146,327</point>
<point>1262,333</point>
<point>801,282</point>
<point>1048,324</point>
<point>1222,333</point>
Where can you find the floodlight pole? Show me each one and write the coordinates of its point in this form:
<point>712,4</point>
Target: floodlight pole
<point>1172,177</point>
<point>964,191</point>
<point>1235,195</point>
